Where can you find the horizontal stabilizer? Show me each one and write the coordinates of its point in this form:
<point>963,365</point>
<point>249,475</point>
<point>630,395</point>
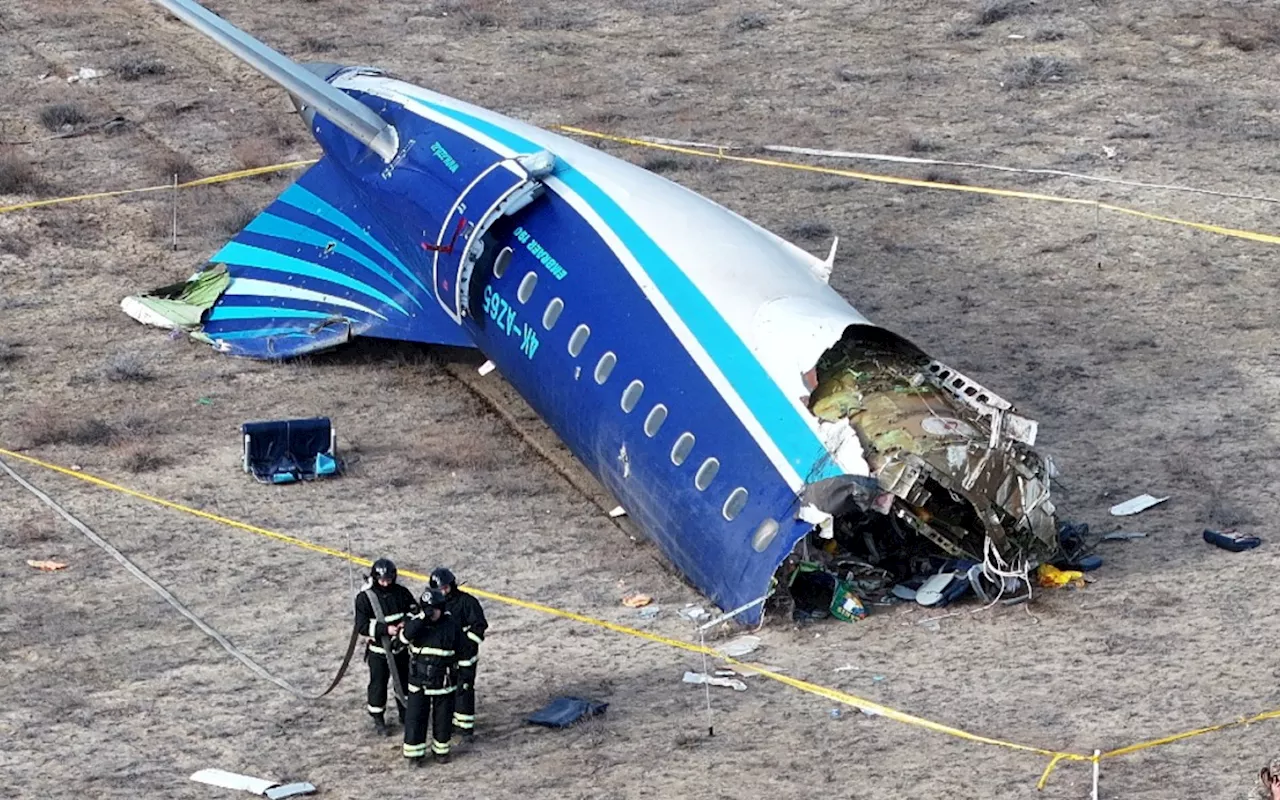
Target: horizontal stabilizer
<point>311,91</point>
<point>312,271</point>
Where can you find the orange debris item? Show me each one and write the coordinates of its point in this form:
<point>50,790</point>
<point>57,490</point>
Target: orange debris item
<point>1051,577</point>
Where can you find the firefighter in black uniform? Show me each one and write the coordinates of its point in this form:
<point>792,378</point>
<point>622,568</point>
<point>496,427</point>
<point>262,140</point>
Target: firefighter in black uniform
<point>466,609</point>
<point>432,636</point>
<point>395,603</point>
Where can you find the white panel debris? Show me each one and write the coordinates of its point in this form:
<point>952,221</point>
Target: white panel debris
<point>1136,506</point>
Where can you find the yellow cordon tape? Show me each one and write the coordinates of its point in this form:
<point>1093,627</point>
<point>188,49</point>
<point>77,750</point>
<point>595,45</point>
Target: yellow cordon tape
<point>226,176</point>
<point>1055,756</point>
<point>1220,230</point>
<point>720,155</point>
<point>805,686</point>
<point>821,691</point>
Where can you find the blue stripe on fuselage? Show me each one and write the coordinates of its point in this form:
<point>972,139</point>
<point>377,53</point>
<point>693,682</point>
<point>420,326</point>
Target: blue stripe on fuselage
<point>798,443</point>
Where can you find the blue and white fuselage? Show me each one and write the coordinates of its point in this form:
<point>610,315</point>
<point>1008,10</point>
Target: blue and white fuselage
<point>665,339</point>
<point>662,337</point>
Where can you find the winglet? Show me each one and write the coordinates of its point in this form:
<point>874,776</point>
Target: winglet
<point>330,102</point>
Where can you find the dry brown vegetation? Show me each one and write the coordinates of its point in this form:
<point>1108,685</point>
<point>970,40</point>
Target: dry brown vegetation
<point>1034,70</point>
<point>144,459</point>
<point>17,176</point>
<point>127,367</point>
<point>9,352</point>
<point>254,153</point>
<point>169,165</point>
<point>62,116</point>
<point>135,68</point>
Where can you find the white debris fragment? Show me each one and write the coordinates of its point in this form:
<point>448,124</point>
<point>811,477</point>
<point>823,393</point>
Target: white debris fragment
<point>1136,506</point>
<point>86,74</point>
<point>702,677</point>
<point>814,516</point>
<point>739,647</point>
<point>618,512</point>
<point>145,314</point>
<point>486,368</point>
<point>694,613</point>
<point>263,788</point>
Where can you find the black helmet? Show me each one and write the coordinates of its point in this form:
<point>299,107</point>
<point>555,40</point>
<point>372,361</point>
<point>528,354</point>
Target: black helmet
<point>441,577</point>
<point>383,568</point>
<point>433,598</point>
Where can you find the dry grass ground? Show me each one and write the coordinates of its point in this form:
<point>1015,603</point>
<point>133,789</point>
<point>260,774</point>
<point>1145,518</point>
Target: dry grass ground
<point>1142,348</point>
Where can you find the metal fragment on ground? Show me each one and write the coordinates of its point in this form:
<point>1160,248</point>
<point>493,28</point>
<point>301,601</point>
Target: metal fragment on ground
<point>1136,505</point>
<point>694,613</point>
<point>739,647</point>
<point>700,677</point>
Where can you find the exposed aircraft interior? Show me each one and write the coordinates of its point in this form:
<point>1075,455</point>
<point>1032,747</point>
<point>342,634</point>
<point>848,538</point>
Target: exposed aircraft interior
<point>953,482</point>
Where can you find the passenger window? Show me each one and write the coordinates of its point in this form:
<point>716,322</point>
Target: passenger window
<point>526,287</point>
<point>552,314</point>
<point>655,419</point>
<point>632,396</point>
<point>706,473</point>
<point>682,448</point>
<point>733,506</point>
<point>578,340</point>
<point>764,535</point>
<point>501,263</point>
<point>604,367</point>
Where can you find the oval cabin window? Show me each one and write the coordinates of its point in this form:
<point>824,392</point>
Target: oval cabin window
<point>706,473</point>
<point>632,396</point>
<point>734,505</point>
<point>683,446</point>
<point>526,287</point>
<point>578,340</point>
<point>501,263</point>
<point>764,535</point>
<point>653,422</point>
<point>604,367</point>
<point>552,314</point>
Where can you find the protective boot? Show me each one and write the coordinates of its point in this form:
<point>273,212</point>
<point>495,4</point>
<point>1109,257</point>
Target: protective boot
<point>441,758</point>
<point>380,725</point>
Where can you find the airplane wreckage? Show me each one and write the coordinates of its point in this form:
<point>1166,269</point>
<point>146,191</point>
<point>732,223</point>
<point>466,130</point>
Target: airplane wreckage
<point>750,421</point>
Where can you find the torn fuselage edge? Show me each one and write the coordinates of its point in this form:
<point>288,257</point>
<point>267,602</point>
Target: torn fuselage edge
<point>995,471</point>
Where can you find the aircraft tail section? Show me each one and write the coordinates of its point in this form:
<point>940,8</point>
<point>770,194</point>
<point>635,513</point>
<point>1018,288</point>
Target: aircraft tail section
<point>315,269</point>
